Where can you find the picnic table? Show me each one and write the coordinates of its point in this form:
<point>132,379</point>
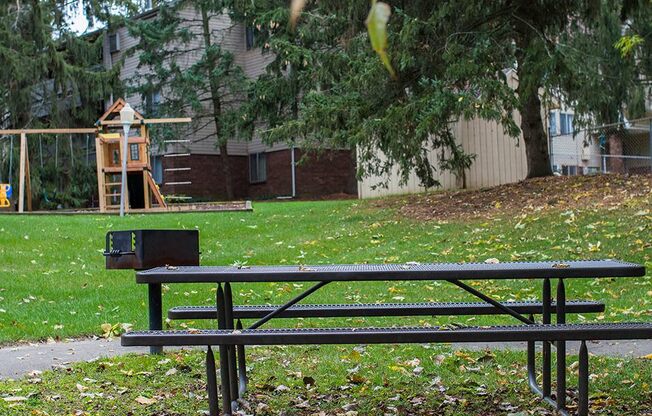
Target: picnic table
<point>231,337</point>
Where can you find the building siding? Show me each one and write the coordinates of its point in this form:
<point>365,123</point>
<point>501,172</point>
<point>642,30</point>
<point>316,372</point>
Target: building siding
<point>331,172</point>
<point>499,159</point>
<point>231,37</point>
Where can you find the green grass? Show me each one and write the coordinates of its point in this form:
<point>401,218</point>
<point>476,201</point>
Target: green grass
<point>372,380</point>
<point>54,285</point>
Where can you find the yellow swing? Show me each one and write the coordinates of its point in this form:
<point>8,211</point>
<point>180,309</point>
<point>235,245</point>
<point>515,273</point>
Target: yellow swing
<point>5,194</point>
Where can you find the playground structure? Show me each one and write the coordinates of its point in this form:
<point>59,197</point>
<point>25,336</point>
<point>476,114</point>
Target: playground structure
<point>142,192</point>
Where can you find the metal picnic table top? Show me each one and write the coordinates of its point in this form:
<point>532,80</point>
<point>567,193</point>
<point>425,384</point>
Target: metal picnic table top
<point>387,272</point>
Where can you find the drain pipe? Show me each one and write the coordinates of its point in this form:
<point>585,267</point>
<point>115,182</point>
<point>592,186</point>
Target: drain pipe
<point>294,174</point>
<point>293,167</point>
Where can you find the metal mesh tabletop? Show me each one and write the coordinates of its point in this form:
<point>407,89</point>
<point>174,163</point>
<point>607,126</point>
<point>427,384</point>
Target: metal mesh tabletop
<point>384,272</point>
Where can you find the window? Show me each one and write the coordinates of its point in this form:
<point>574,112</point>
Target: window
<point>567,170</point>
<point>152,103</point>
<point>134,151</point>
<point>114,42</point>
<point>157,169</point>
<point>257,167</point>
<point>250,37</point>
<point>552,123</point>
<point>566,123</point>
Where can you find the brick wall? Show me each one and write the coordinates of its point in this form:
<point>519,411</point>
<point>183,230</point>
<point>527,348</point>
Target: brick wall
<point>330,172</point>
<point>326,173</point>
<point>279,177</point>
<point>206,176</point>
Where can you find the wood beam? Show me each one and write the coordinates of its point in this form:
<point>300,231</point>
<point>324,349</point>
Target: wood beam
<point>147,121</point>
<point>48,131</point>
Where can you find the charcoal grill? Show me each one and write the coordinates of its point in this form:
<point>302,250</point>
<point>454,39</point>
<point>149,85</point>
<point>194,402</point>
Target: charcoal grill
<point>146,249</point>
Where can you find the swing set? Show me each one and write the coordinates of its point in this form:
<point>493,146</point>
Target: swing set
<point>24,181</point>
<point>54,157</point>
<point>141,190</point>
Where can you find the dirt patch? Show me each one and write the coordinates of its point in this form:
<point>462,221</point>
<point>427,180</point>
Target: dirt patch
<point>555,192</point>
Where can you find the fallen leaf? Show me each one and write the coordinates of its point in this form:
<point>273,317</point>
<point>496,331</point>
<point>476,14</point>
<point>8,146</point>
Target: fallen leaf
<point>15,399</point>
<point>145,401</point>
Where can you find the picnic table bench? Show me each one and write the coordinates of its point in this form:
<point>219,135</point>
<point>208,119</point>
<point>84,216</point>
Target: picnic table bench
<point>231,338</point>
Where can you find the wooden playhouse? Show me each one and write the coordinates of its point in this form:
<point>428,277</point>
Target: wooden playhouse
<point>142,191</point>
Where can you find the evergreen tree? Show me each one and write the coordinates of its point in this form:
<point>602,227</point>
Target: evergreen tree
<point>450,59</point>
<point>603,82</point>
<point>346,99</point>
<point>182,58</point>
<point>54,77</point>
<point>51,75</point>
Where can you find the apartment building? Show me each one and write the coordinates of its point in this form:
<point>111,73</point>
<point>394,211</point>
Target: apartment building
<point>259,171</point>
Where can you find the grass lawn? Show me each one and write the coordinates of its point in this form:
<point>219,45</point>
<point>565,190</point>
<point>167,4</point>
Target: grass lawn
<point>344,380</point>
<point>54,285</point>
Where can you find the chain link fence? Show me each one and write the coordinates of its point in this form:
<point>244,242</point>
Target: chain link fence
<point>615,148</point>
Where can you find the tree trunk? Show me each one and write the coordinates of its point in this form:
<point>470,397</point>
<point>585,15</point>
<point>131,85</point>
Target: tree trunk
<point>217,107</point>
<point>534,134</point>
<point>226,170</point>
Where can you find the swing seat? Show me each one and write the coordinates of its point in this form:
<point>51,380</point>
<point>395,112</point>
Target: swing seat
<point>5,194</point>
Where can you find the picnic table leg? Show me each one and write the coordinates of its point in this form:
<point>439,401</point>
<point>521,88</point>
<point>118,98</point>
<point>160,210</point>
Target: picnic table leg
<point>547,357</point>
<point>561,347</point>
<point>532,365</point>
<point>583,399</point>
<point>211,383</point>
<point>242,363</point>
<point>155,304</point>
<point>224,354</point>
<point>228,314</point>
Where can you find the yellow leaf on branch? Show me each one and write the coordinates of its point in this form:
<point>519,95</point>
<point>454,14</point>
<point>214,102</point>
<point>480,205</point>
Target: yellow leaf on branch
<point>377,27</point>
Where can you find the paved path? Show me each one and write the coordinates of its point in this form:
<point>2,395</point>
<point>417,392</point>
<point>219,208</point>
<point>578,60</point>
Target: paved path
<point>628,349</point>
<point>16,361</point>
<point>19,360</point>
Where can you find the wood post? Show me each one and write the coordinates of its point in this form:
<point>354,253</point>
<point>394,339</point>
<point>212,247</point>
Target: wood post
<point>101,187</point>
<point>21,176</point>
<point>146,190</point>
